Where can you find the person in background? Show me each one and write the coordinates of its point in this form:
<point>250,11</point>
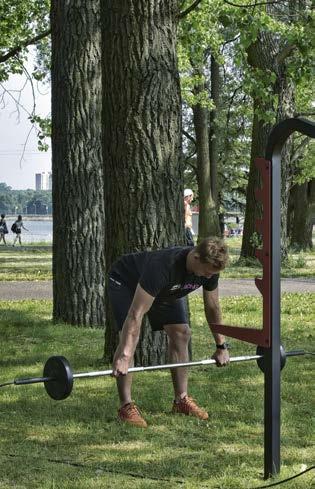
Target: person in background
<point>189,233</point>
<point>3,229</point>
<point>17,229</point>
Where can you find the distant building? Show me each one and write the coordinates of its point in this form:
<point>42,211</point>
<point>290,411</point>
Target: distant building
<point>43,181</point>
<point>38,181</point>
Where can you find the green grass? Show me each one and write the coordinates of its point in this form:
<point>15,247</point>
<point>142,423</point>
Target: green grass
<point>298,265</point>
<point>33,262</point>
<point>77,443</point>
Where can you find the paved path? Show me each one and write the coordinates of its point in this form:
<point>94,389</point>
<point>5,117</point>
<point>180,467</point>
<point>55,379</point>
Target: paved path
<point>227,287</point>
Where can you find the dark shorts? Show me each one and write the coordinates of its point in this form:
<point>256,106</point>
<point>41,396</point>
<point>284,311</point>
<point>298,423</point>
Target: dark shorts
<point>189,237</point>
<point>159,315</point>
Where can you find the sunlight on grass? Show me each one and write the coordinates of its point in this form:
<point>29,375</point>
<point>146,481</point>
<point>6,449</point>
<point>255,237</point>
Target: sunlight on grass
<point>41,438</point>
<point>25,264</point>
<point>35,263</point>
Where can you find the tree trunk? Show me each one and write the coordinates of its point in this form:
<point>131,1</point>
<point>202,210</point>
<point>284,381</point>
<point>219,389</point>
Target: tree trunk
<point>142,126</point>
<point>253,211</point>
<point>208,217</point>
<point>285,90</point>
<point>213,130</point>
<point>263,56</point>
<point>301,215</point>
<point>78,199</point>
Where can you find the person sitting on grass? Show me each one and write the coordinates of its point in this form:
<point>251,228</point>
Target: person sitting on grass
<point>17,229</point>
<point>155,282</point>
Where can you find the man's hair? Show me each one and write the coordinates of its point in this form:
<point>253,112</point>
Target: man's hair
<point>214,251</point>
<point>2,216</point>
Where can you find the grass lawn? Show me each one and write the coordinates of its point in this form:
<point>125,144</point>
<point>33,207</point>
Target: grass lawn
<point>33,262</point>
<point>77,443</point>
<point>299,264</point>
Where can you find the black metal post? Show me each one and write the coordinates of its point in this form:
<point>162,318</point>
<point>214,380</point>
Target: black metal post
<point>272,357</point>
<point>276,140</point>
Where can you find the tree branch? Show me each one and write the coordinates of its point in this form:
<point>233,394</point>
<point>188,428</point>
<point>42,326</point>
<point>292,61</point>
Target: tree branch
<point>28,42</point>
<point>189,9</point>
<point>18,105</point>
<point>189,157</point>
<point>191,165</point>
<point>286,51</point>
<point>188,136</point>
<point>304,114</point>
<point>253,4</point>
<point>232,40</point>
<point>298,151</point>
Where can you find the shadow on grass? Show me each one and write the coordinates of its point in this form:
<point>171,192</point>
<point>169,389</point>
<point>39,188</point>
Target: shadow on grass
<point>226,451</point>
<point>83,428</point>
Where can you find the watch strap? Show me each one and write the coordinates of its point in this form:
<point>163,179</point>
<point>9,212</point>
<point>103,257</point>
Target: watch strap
<point>223,346</point>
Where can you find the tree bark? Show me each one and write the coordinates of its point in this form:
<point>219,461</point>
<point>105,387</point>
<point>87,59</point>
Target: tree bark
<point>285,90</point>
<point>253,210</point>
<point>213,129</point>
<point>142,144</point>
<point>78,199</point>
<point>263,57</point>
<point>301,215</point>
<point>208,217</point>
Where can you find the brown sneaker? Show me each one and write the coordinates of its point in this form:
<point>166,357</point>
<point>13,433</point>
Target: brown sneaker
<point>188,406</point>
<point>129,413</point>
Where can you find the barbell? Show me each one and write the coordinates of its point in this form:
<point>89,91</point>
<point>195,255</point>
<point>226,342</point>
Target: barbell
<point>58,376</point>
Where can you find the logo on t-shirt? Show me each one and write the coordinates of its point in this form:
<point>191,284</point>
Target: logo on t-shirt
<point>191,286</point>
<point>176,287</point>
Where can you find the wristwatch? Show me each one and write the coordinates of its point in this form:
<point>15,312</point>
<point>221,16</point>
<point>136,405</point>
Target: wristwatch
<point>224,346</point>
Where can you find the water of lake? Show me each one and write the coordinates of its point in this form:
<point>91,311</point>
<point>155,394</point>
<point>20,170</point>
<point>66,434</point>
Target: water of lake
<point>37,231</point>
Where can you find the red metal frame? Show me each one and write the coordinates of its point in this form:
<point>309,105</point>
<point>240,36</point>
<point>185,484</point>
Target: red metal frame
<point>263,226</point>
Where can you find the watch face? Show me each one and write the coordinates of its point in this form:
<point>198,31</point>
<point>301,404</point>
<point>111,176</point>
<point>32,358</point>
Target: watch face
<point>224,346</point>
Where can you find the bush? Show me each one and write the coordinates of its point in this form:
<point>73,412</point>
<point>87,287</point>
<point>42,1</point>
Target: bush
<point>298,261</point>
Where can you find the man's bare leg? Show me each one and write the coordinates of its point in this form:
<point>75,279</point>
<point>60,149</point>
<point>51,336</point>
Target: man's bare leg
<point>178,340</point>
<point>124,383</point>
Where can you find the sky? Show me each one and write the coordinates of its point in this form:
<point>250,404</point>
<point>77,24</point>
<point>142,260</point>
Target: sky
<point>14,129</point>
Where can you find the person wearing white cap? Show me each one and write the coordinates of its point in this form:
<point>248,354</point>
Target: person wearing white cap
<point>188,197</point>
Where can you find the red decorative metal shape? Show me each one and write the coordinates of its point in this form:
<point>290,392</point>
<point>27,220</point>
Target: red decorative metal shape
<point>263,226</point>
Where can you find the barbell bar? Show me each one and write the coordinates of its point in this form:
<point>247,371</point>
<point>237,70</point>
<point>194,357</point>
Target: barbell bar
<point>58,376</point>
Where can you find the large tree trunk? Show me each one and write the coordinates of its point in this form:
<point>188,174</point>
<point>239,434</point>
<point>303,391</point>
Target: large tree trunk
<point>260,132</point>
<point>301,215</point>
<point>208,217</point>
<point>264,55</point>
<point>78,199</point>
<point>143,175</point>
<point>213,129</point>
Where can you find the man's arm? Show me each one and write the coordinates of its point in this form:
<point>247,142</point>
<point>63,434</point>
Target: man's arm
<point>185,211</point>
<point>214,315</point>
<point>142,301</point>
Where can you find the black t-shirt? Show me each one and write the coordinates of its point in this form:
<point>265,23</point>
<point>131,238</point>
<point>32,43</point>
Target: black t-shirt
<point>161,273</point>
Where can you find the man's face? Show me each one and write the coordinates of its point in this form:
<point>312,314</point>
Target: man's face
<point>203,269</point>
<point>189,198</point>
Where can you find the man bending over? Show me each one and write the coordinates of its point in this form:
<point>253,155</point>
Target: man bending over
<point>155,282</point>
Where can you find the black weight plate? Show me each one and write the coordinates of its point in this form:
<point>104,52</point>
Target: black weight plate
<point>261,351</point>
<point>59,369</point>
<point>283,357</point>
<point>260,362</point>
